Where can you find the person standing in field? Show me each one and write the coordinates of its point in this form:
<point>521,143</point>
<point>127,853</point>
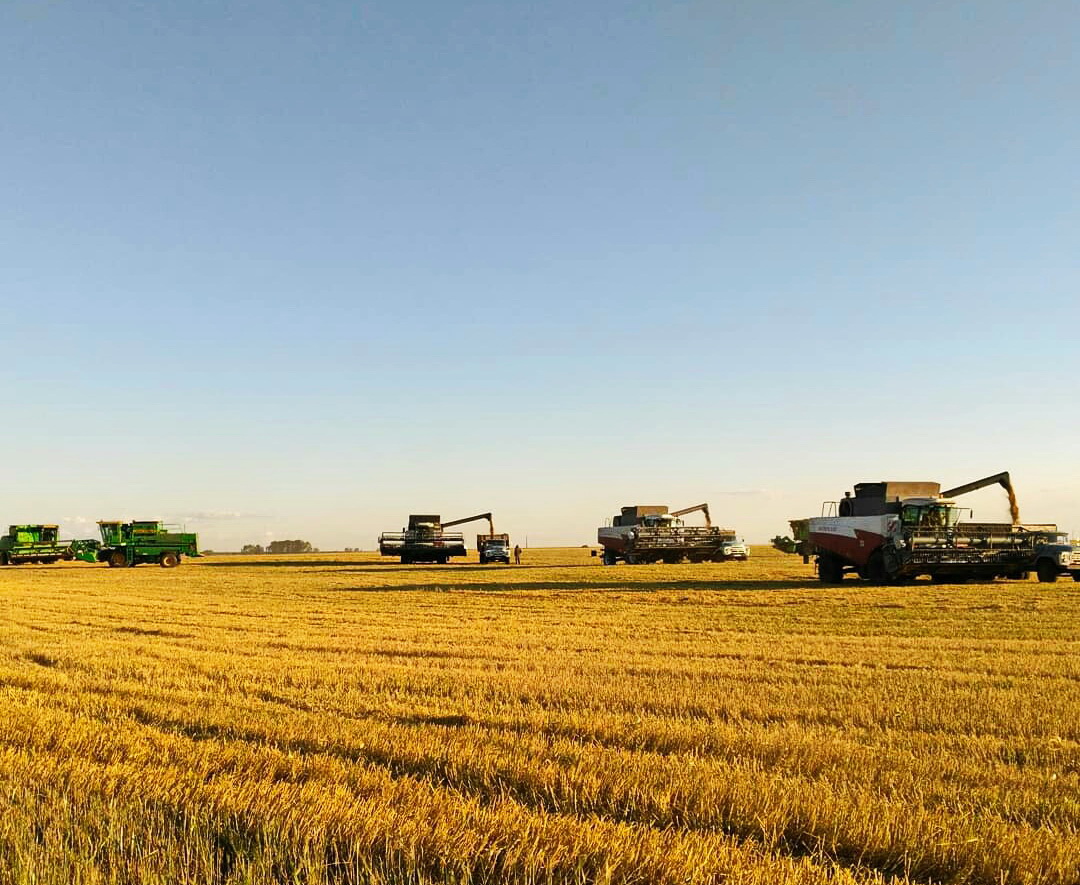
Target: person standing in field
<point>517,554</point>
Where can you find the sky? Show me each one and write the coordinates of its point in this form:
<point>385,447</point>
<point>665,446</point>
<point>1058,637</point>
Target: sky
<point>280,270</point>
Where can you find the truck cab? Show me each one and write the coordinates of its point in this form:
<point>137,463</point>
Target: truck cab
<point>734,549</point>
<point>494,550</point>
<point>1055,558</point>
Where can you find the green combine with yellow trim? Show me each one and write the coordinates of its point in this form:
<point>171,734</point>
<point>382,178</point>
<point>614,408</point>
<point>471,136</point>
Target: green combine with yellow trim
<point>126,544</point>
<point>33,543</point>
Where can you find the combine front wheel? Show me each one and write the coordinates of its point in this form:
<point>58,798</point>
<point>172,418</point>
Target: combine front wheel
<point>876,572</point>
<point>117,559</point>
<point>609,557</point>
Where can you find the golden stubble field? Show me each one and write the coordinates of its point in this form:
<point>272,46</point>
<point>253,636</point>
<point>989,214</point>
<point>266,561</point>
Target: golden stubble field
<point>336,719</point>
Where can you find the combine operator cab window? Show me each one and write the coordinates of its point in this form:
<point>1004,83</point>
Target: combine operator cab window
<point>930,516</point>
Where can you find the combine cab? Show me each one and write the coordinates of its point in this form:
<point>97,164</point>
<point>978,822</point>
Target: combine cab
<point>133,543</point>
<point>33,543</point>
<point>649,533</point>
<point>894,531</point>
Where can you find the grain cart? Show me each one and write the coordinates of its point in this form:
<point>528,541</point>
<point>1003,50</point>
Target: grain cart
<point>132,543</point>
<point>649,533</point>
<point>893,531</point>
<point>33,543</point>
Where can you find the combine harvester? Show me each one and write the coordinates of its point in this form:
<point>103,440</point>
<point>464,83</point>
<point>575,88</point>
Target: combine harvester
<point>426,540</point>
<point>895,531</point>
<point>126,544</point>
<point>33,543</point>
<point>649,533</point>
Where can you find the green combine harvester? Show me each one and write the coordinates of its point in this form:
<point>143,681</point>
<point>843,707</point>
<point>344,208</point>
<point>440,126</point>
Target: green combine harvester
<point>132,543</point>
<point>33,543</point>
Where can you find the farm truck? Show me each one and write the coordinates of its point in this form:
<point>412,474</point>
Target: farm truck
<point>893,531</point>
<point>132,543</point>
<point>33,543</point>
<point>649,533</point>
<point>426,540</point>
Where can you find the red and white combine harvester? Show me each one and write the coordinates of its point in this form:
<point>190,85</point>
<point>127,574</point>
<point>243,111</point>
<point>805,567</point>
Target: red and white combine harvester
<point>894,531</point>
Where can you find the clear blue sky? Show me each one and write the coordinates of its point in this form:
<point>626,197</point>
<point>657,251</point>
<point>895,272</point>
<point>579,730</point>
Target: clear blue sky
<point>296,270</point>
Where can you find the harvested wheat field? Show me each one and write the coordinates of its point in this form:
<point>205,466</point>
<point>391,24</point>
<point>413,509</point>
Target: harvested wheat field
<point>334,718</point>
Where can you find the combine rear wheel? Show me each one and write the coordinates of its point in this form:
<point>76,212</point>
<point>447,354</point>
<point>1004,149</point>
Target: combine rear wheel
<point>169,559</point>
<point>117,559</point>
<point>830,569</point>
<point>1047,571</point>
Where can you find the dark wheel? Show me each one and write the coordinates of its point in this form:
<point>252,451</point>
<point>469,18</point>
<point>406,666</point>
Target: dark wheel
<point>67,556</point>
<point>169,559</point>
<point>406,561</point>
<point>5,559</point>
<point>1047,571</point>
<point>876,573</point>
<point>609,557</point>
<point>830,569</point>
<point>117,559</point>
<point>1076,577</point>
<point>631,559</point>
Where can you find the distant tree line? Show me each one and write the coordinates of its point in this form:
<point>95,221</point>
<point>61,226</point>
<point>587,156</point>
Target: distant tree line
<point>280,547</point>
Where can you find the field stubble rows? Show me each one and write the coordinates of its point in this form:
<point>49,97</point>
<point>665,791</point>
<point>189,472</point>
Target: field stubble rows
<point>336,719</point>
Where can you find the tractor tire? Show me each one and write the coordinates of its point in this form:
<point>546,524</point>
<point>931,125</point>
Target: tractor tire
<point>1047,571</point>
<point>609,557</point>
<point>631,559</point>
<point>117,559</point>
<point>5,559</point>
<point>830,569</point>
<point>1076,577</point>
<point>169,559</point>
